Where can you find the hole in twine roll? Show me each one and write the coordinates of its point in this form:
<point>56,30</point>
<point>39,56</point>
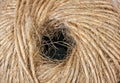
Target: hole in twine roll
<point>56,44</point>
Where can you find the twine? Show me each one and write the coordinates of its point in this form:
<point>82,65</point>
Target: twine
<point>94,25</point>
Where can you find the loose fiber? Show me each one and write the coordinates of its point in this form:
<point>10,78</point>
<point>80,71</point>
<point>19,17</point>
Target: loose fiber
<point>92,35</point>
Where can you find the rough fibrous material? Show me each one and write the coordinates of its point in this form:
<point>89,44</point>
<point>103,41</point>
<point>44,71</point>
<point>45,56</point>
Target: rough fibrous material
<point>93,25</point>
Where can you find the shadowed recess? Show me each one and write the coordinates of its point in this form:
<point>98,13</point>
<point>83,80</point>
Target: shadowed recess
<point>57,44</point>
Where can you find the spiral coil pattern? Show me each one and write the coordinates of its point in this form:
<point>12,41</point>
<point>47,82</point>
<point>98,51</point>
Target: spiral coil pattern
<point>93,24</point>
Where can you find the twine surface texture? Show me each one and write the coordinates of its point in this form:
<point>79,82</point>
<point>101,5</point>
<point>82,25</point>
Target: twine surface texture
<point>59,41</point>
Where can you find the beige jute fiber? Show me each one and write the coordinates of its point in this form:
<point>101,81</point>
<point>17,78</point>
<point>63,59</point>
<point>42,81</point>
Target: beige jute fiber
<point>93,26</point>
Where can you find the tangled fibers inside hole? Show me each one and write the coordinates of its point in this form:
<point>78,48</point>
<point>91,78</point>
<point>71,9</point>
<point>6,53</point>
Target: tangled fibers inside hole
<point>57,45</point>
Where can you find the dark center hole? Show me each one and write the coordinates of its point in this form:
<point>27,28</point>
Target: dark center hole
<point>56,46</point>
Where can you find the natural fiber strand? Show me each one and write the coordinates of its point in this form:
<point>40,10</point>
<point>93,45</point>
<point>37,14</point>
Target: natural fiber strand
<point>93,27</point>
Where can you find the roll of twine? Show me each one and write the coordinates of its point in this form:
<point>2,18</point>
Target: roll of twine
<point>94,25</point>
